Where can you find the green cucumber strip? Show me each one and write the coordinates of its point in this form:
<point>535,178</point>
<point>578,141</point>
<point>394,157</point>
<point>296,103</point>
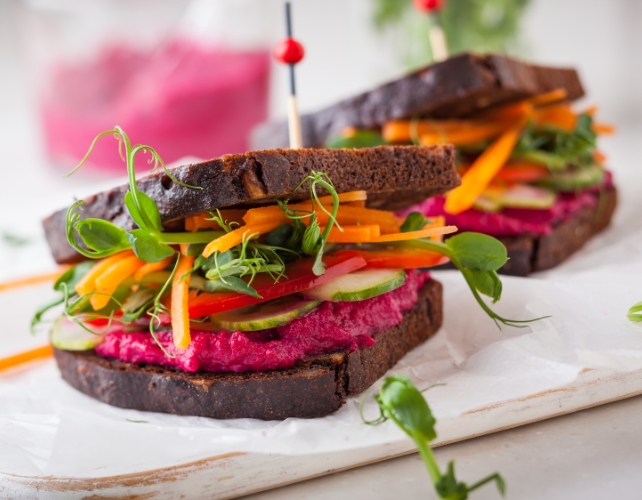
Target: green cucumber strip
<point>358,285</point>
<point>69,336</point>
<point>264,315</point>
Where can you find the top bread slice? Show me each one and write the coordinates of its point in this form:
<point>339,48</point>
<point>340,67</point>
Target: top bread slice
<point>459,86</point>
<point>395,177</point>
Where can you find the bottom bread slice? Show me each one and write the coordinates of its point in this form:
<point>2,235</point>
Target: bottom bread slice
<point>317,386</point>
<point>529,254</point>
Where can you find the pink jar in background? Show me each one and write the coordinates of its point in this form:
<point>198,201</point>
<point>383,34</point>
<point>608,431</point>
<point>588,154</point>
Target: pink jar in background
<point>187,78</point>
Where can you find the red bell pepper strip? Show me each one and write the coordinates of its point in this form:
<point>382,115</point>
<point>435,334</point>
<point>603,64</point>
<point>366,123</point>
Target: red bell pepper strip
<point>299,277</point>
<point>403,258</point>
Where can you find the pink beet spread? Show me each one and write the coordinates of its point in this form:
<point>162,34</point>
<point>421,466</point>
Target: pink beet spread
<point>331,327</point>
<point>515,221</point>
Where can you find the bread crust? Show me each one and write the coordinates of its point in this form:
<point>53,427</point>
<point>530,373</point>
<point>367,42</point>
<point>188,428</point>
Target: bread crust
<point>395,177</point>
<point>316,387</point>
<point>459,86</point>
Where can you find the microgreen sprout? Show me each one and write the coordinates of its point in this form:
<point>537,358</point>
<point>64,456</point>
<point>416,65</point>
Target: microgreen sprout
<point>635,313</point>
<point>400,401</point>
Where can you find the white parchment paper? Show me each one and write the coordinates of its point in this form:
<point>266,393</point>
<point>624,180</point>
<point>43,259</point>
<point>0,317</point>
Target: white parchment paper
<point>47,428</point>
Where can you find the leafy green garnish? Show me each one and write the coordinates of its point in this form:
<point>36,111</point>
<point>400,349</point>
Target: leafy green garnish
<point>415,221</point>
<point>478,257</point>
<point>101,238</point>
<point>357,139</point>
<point>558,149</point>
<point>635,313</point>
<point>400,401</point>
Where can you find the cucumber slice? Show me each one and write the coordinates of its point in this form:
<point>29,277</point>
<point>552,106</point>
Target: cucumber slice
<point>523,196</point>
<point>264,315</point>
<point>69,336</point>
<point>570,180</point>
<point>358,285</point>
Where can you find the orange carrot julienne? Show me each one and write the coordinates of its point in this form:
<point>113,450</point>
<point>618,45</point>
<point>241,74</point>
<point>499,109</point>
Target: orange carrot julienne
<point>109,280</point>
<point>32,280</point>
<point>202,221</point>
<point>413,235</point>
<point>151,267</point>
<point>548,97</point>
<point>235,237</point>
<point>180,299</point>
<point>353,234</point>
<point>26,356</point>
<point>464,136</point>
<point>482,172</point>
<point>444,131</point>
<point>344,197</point>
<point>87,283</point>
<point>558,115</point>
<point>603,128</point>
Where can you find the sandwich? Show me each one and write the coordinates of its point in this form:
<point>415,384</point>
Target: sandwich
<point>532,173</point>
<point>270,284</point>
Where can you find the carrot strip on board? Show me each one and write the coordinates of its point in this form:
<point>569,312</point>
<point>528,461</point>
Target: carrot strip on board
<point>24,357</point>
<point>482,172</point>
<point>109,280</point>
<point>33,280</point>
<point>151,267</point>
<point>200,221</point>
<point>235,237</point>
<point>353,234</point>
<point>413,235</point>
<point>87,283</point>
<point>180,300</point>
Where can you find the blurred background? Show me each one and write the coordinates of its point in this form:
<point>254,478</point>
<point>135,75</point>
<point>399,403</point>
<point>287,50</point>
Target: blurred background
<point>191,77</point>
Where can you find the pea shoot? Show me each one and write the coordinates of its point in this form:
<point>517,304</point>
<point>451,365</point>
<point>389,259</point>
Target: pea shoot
<point>400,401</point>
<point>635,313</point>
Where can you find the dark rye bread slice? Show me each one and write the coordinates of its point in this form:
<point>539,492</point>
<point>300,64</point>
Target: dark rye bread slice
<point>537,253</point>
<point>394,177</point>
<point>529,253</point>
<point>459,86</point>
<point>316,387</point>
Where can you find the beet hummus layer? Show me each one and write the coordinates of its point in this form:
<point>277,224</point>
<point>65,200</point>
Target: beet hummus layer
<point>515,221</point>
<point>331,327</point>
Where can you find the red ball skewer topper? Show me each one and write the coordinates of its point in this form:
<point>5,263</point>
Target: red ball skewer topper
<point>291,52</point>
<point>428,5</point>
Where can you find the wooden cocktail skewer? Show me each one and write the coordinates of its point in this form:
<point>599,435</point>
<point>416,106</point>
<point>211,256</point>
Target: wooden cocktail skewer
<point>436,34</point>
<point>290,52</point>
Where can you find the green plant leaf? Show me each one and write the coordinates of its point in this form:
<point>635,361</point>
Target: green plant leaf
<point>280,236</point>
<point>37,317</point>
<point>231,284</point>
<point>73,275</point>
<point>477,251</point>
<point>195,249</point>
<point>359,139</point>
<point>635,313</point>
<point>149,211</point>
<point>100,235</point>
<point>486,282</point>
<point>312,238</point>
<point>448,488</point>
<point>147,247</point>
<point>415,221</point>
<point>400,397</point>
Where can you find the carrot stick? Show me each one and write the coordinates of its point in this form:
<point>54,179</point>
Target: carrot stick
<point>109,280</point>
<point>87,283</point>
<point>24,357</point>
<point>413,235</point>
<point>353,234</point>
<point>33,280</point>
<point>235,237</point>
<point>444,131</point>
<point>558,115</point>
<point>180,296</point>
<point>482,172</point>
<point>549,97</point>
<point>200,221</point>
<point>465,136</point>
<point>151,267</point>
<point>345,197</point>
<point>603,129</point>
